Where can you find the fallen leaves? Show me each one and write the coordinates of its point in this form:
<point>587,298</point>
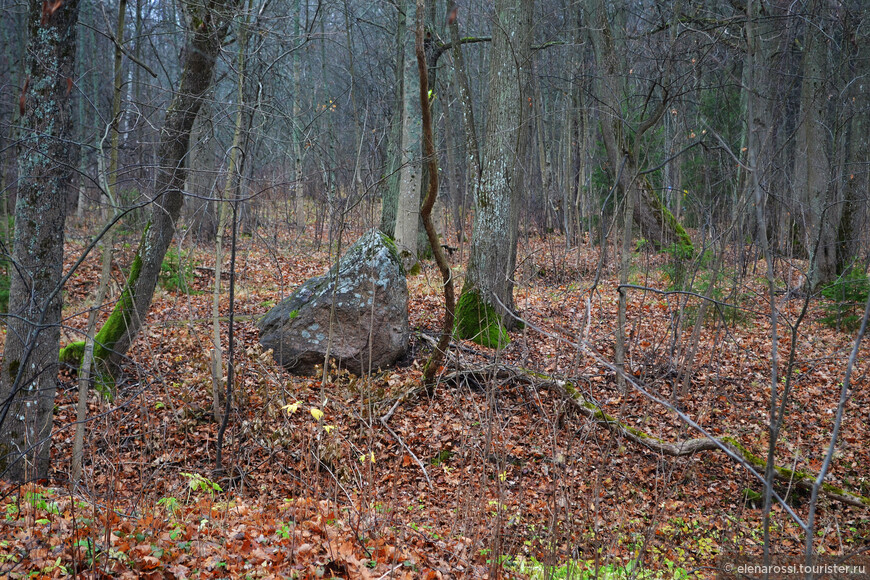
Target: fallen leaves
<point>514,471</point>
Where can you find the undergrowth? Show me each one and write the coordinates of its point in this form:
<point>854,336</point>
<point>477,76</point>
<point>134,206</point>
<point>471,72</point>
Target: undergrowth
<point>696,274</point>
<point>176,272</point>
<point>846,298</point>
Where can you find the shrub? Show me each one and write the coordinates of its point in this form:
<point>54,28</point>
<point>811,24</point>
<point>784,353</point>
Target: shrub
<point>677,269</point>
<point>694,273</point>
<point>4,287</point>
<point>176,272</point>
<point>846,297</point>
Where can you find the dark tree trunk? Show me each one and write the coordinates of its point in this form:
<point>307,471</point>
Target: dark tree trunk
<point>30,358</point>
<point>207,27</point>
<point>812,164</point>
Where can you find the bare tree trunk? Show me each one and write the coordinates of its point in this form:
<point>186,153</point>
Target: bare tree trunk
<point>392,170</point>
<point>30,357</point>
<point>298,159</point>
<point>855,179</point>
<point>453,176</point>
<point>812,165</point>
<point>544,154</point>
<point>217,367</point>
<point>408,213</point>
<point>88,356</point>
<point>472,149</point>
<point>440,351</point>
<point>117,94</point>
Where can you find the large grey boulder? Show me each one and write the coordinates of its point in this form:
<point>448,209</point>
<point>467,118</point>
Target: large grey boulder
<point>369,322</point>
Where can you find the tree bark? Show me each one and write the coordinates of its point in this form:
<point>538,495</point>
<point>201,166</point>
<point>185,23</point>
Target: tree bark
<point>30,357</point>
<point>812,165</point>
<point>657,224</point>
<point>408,213</point>
<point>393,169</point>
<point>440,351</point>
<point>298,158</point>
<point>485,310</point>
<point>472,149</point>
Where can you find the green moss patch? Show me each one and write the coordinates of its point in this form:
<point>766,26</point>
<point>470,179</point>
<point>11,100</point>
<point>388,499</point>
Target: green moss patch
<point>116,325</point>
<point>73,353</point>
<point>388,241</point>
<point>478,321</point>
<point>684,241</point>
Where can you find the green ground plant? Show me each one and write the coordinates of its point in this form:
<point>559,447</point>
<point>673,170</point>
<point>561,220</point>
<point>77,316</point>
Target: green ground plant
<point>845,298</point>
<point>176,271</point>
<point>581,570</point>
<point>697,274</point>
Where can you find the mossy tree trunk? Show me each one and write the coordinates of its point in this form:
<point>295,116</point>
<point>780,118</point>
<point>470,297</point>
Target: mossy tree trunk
<point>485,310</point>
<point>207,26</point>
<point>30,358</point>
<point>622,138</point>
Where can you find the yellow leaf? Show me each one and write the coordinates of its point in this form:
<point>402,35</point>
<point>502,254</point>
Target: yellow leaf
<point>328,428</point>
<point>316,413</point>
<point>291,407</point>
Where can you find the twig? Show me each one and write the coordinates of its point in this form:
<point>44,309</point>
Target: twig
<point>389,572</point>
<point>411,453</point>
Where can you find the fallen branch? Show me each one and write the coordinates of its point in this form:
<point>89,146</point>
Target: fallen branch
<point>799,479</point>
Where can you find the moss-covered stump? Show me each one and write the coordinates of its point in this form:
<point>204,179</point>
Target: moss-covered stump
<point>478,321</point>
<point>658,224</point>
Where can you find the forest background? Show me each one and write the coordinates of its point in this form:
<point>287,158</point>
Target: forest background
<point>655,215</point>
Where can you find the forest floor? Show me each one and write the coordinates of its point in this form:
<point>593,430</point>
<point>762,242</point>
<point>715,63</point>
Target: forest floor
<point>487,476</point>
